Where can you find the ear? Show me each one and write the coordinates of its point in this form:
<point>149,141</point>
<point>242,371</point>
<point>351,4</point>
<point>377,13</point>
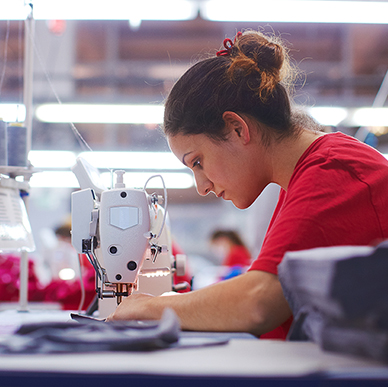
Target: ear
<point>237,126</point>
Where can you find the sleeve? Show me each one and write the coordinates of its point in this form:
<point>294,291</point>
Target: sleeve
<point>289,230</point>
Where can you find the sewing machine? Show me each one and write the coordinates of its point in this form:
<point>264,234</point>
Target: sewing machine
<point>124,233</point>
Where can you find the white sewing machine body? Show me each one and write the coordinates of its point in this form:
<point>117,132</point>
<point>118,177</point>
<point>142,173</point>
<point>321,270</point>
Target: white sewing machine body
<point>124,234</point>
<point>124,222</point>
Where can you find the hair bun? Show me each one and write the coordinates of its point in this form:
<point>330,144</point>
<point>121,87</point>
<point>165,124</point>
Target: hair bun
<point>259,60</point>
<point>273,56</point>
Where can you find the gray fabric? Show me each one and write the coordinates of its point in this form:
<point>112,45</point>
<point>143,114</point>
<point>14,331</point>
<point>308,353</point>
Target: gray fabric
<point>356,341</point>
<point>338,296</point>
<point>94,335</point>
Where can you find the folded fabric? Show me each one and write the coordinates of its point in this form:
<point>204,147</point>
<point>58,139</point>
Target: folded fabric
<point>94,335</point>
<point>338,296</point>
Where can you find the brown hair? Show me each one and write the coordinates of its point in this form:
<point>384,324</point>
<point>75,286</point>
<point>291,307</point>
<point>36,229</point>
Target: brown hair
<point>253,79</point>
<point>231,235</point>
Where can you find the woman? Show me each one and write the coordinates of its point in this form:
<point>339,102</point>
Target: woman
<point>230,119</point>
<point>230,248</point>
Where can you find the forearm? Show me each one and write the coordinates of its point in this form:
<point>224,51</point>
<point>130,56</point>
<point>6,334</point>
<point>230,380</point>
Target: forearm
<point>252,302</point>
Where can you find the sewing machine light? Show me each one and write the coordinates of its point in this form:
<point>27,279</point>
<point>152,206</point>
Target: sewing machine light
<point>160,272</point>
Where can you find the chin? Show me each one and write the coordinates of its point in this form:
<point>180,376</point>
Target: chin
<point>242,205</point>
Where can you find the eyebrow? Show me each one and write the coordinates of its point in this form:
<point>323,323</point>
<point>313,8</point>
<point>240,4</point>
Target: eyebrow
<point>183,158</point>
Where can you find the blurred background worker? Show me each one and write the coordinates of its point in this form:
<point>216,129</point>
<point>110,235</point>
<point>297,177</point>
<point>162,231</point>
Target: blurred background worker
<point>72,276</point>
<point>56,280</point>
<point>228,246</point>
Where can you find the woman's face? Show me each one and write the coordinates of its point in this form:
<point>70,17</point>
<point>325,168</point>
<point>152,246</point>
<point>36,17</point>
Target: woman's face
<point>228,168</point>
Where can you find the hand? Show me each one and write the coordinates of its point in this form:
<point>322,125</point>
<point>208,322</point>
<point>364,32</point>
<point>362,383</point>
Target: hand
<point>251,302</point>
<point>135,307</point>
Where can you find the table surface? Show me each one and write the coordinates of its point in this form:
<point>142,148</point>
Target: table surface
<point>242,357</point>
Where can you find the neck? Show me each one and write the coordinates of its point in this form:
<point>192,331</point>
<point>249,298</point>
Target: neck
<point>286,155</point>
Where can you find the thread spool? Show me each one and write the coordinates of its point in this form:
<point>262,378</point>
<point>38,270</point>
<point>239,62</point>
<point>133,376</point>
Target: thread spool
<point>3,144</point>
<point>17,145</point>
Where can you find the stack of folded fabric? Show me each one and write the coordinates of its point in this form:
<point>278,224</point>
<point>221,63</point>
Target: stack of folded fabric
<point>339,298</point>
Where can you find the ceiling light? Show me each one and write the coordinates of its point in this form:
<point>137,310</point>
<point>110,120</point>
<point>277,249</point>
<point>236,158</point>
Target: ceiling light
<point>153,114</point>
<point>370,117</point>
<point>54,179</point>
<point>67,179</point>
<point>13,10</point>
<point>12,112</point>
<point>153,161</point>
<point>52,159</point>
<point>95,113</point>
<point>328,116</point>
<point>133,160</point>
<point>291,11</point>
<point>100,10</point>
<point>296,11</point>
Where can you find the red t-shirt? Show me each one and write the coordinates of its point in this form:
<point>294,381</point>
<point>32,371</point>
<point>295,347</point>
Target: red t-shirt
<point>337,195</point>
<point>238,256</point>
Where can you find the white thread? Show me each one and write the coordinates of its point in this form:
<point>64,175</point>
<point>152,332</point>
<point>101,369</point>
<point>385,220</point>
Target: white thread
<point>78,135</point>
<point>165,201</point>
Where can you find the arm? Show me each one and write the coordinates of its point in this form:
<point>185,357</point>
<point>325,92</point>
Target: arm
<point>252,302</point>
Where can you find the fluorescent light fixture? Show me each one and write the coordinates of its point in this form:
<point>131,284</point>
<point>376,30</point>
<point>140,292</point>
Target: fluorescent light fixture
<point>370,117</point>
<point>296,11</point>
<point>332,116</point>
<point>13,10</point>
<point>54,179</point>
<point>153,114</point>
<point>138,179</point>
<point>154,161</point>
<point>67,179</point>
<point>133,160</point>
<point>328,116</point>
<point>12,112</point>
<point>52,159</point>
<point>290,11</point>
<point>96,113</point>
<point>100,10</point>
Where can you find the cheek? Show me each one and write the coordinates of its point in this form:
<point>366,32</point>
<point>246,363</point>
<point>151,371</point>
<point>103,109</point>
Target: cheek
<point>246,191</point>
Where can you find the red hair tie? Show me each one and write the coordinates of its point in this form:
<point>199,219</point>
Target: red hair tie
<point>228,44</point>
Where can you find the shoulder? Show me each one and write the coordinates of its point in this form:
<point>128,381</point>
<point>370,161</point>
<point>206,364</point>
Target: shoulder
<point>340,146</point>
<point>339,154</point>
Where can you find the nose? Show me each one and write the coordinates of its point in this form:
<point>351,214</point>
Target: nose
<point>204,185</point>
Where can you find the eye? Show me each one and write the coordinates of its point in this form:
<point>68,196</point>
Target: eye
<point>196,163</point>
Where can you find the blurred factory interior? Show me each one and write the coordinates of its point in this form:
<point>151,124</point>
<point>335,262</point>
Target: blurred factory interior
<point>136,61</point>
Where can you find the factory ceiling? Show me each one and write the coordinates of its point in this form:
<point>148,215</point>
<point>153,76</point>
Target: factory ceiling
<point>108,61</point>
<point>112,62</point>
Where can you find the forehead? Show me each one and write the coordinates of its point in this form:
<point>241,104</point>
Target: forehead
<point>181,144</point>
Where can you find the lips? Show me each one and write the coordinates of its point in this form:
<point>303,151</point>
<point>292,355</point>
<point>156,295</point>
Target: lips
<point>221,194</point>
